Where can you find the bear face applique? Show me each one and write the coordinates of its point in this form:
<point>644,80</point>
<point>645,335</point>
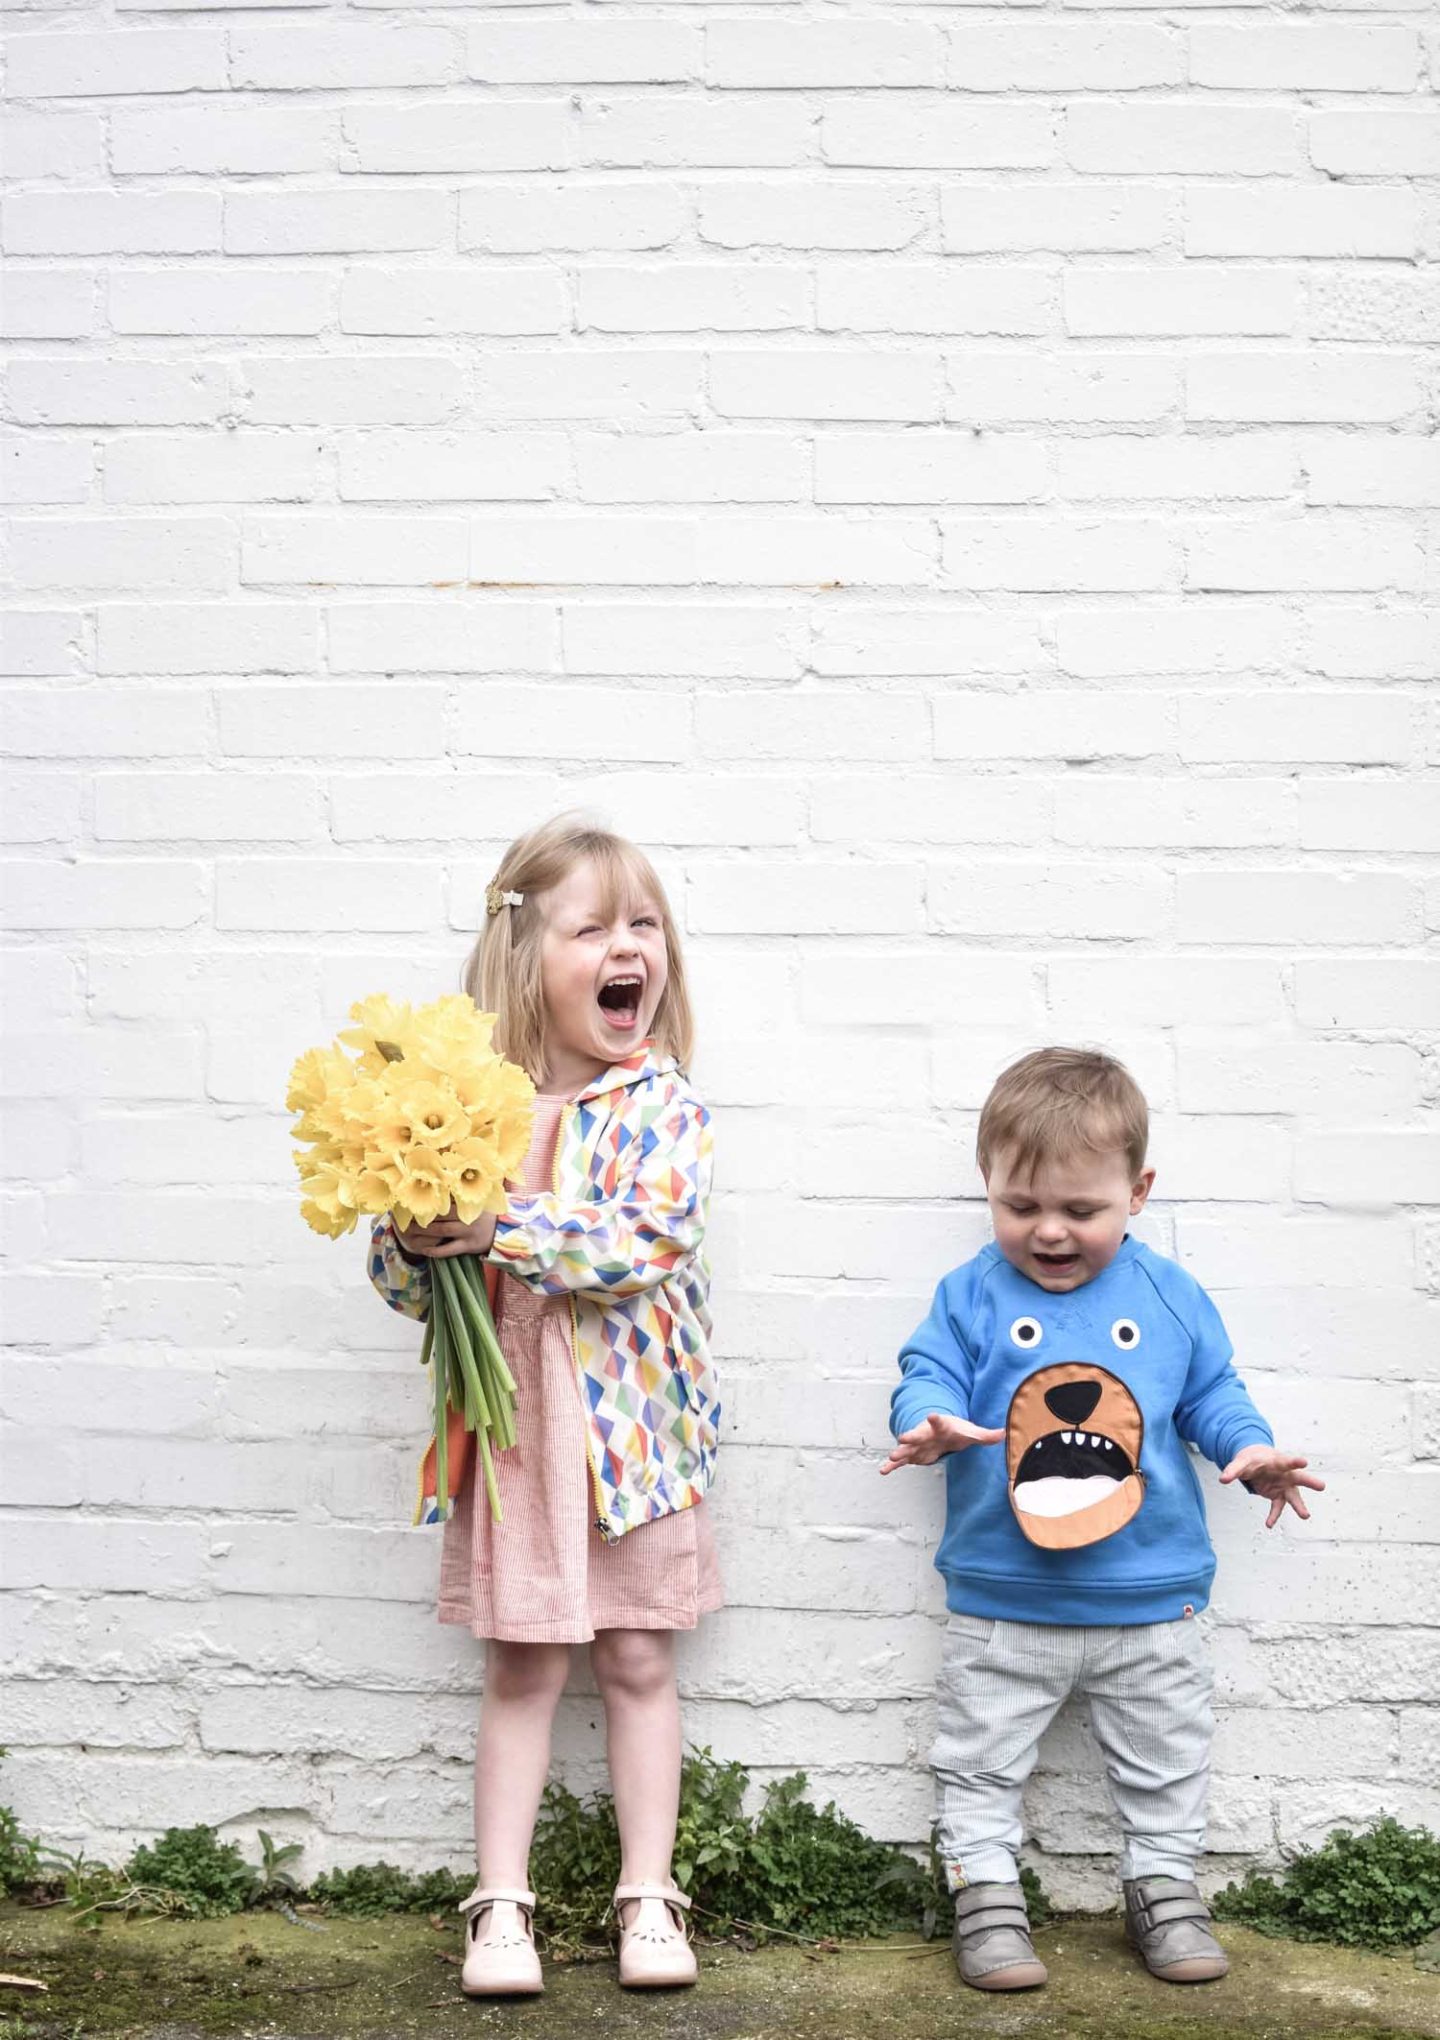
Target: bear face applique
<point>1073,1436</point>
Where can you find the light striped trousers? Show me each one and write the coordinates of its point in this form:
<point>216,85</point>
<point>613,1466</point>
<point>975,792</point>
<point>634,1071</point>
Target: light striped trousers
<point>1001,1685</point>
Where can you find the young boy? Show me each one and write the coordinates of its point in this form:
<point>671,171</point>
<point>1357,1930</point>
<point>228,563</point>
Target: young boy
<point>1076,1557</point>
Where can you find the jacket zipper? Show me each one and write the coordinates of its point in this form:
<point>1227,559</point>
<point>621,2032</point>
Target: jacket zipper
<point>602,1523</point>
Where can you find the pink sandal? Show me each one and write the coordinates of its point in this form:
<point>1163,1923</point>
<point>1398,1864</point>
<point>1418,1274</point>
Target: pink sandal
<point>500,1961</point>
<point>654,1951</point>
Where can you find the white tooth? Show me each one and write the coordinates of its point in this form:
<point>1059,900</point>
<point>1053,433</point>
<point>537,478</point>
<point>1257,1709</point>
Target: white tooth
<point>1065,1436</point>
<point>1094,1442</point>
<point>1108,1446</point>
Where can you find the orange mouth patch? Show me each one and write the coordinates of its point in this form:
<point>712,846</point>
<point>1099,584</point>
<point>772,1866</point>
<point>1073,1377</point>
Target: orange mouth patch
<point>1073,1436</point>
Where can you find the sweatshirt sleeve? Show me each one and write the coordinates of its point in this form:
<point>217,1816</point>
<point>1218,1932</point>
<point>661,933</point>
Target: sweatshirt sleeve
<point>628,1241</point>
<point>937,1361</point>
<point>1215,1411</point>
<point>404,1284</point>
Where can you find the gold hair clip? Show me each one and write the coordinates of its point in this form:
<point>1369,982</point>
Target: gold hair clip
<point>495,899</point>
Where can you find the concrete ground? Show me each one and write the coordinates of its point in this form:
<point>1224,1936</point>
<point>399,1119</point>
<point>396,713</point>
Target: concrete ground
<point>259,1975</point>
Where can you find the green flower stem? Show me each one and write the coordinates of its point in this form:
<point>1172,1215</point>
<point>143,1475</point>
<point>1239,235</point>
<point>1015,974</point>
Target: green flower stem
<point>441,1370</point>
<point>471,1374</point>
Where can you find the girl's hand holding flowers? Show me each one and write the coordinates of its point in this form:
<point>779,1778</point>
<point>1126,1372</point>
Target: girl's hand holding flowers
<point>446,1236</point>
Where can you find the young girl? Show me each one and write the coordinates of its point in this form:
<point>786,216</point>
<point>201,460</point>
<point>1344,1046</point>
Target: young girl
<point>602,1315</point>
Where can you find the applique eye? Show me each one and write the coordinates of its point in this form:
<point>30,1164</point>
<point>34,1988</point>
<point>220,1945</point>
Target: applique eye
<point>1126,1334</point>
<point>1026,1332</point>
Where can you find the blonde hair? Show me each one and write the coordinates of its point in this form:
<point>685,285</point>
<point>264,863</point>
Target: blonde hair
<point>502,972</point>
<point>1058,1102</point>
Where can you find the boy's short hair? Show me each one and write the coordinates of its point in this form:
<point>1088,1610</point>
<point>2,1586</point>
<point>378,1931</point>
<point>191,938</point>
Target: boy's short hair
<point>1058,1102</point>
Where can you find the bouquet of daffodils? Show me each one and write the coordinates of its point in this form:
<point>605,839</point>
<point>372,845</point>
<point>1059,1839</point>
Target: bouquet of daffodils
<point>422,1118</point>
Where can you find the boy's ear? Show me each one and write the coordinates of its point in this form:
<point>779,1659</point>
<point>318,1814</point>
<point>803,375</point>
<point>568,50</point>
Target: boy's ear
<point>1140,1190</point>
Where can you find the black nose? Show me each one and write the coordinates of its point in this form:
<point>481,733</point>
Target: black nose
<point>1073,1401</point>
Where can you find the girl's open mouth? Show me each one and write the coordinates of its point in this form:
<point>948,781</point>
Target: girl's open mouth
<point>619,1001</point>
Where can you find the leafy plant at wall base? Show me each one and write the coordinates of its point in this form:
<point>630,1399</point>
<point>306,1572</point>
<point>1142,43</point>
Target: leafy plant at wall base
<point>272,1883</point>
<point>19,1852</point>
<point>1376,1889</point>
<point>372,1889</point>
<point>210,1877</point>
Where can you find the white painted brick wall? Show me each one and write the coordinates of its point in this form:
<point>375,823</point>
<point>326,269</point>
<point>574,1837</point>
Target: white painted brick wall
<point>955,480</point>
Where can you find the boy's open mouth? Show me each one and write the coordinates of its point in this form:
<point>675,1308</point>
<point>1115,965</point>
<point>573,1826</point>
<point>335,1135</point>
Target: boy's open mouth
<point>1057,1264</point>
<point>619,1000</point>
<point>1066,1471</point>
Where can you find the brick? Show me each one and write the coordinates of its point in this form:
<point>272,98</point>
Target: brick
<point>215,637</point>
<point>45,470</point>
<point>1281,727</point>
<point>1029,899</point>
<point>1364,143</point>
<point>1029,218</point>
<point>328,722</point>
<point>795,384</point>
<point>338,222</point>
<point>241,467</point>
<point>578,216</point>
<point>693,297</point>
<point>1093,388</point>
<point>204,807</point>
<point>123,553</point>
<point>1380,303</point>
<point>584,53</point>
<point>1322,1078</point>
<point>1175,813</point>
<point>557,550</point>
<point>354,549</point>
<point>40,807</point>
<point>944,133</point>
<point>942,809</point>
<point>1373,644</point>
<point>843,985</point>
<point>426,808</point>
<point>692,467</point>
<point>52,392</point>
<point>465,636</point>
<point>821,550</point>
<point>810,215</point>
<point>685,131</point>
<point>627,387</point>
<point>1283,388</point>
<point>212,301</point>
<point>104,722</point>
<point>274,892</point>
<point>1340,909</point>
<point>1375,815</point>
<point>1323,550</point>
<point>1189,468</point>
<point>111,63</point>
<point>217,140</point>
<point>445,301</point>
<point>929,467</point>
<point>1064,57</point>
<point>761,723</point>
<point>1367,992</point>
<point>59,1552</point>
<point>452,466</point>
<point>1293,1252</point>
<point>530,134</point>
<point>949,641</point>
<point>948,299</point>
<point>69,146</point>
<point>99,895</point>
<point>1305,57</point>
<point>1097,644</point>
<point>662,640</point>
<point>1333,220</point>
<point>1101,993</point>
<point>831,55</point>
<point>48,304</point>
<point>53,1309</point>
<point>1175,303</point>
<point>804,899</point>
<point>1175,136</point>
<point>703,809</point>
<point>625,725</point>
<point>1370,1168</point>
<point>112,222</point>
<point>1068,723</point>
<point>1059,553</point>
<point>1387,471</point>
<point>294,59</point>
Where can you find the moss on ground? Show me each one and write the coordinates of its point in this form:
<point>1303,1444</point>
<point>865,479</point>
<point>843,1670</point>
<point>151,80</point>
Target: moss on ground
<point>257,1975</point>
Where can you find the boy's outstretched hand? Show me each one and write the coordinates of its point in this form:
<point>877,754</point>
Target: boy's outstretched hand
<point>1276,1475</point>
<point>934,1438</point>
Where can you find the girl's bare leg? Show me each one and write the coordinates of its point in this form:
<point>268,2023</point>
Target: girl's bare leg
<point>635,1671</point>
<point>523,1684</point>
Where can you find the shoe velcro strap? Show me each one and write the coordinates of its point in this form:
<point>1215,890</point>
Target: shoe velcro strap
<point>993,1913</point>
<point>484,1895</point>
<point>1163,1912</point>
<point>667,1893</point>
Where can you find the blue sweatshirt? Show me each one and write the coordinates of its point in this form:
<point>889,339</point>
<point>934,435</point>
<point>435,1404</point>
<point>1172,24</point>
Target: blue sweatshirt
<point>1100,1390</point>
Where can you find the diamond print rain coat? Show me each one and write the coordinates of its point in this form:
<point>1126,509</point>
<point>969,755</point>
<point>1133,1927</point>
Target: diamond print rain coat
<point>621,1235</point>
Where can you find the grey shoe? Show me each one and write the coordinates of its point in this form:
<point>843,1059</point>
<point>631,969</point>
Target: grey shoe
<point>992,1943</point>
<point>1169,1922</point>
